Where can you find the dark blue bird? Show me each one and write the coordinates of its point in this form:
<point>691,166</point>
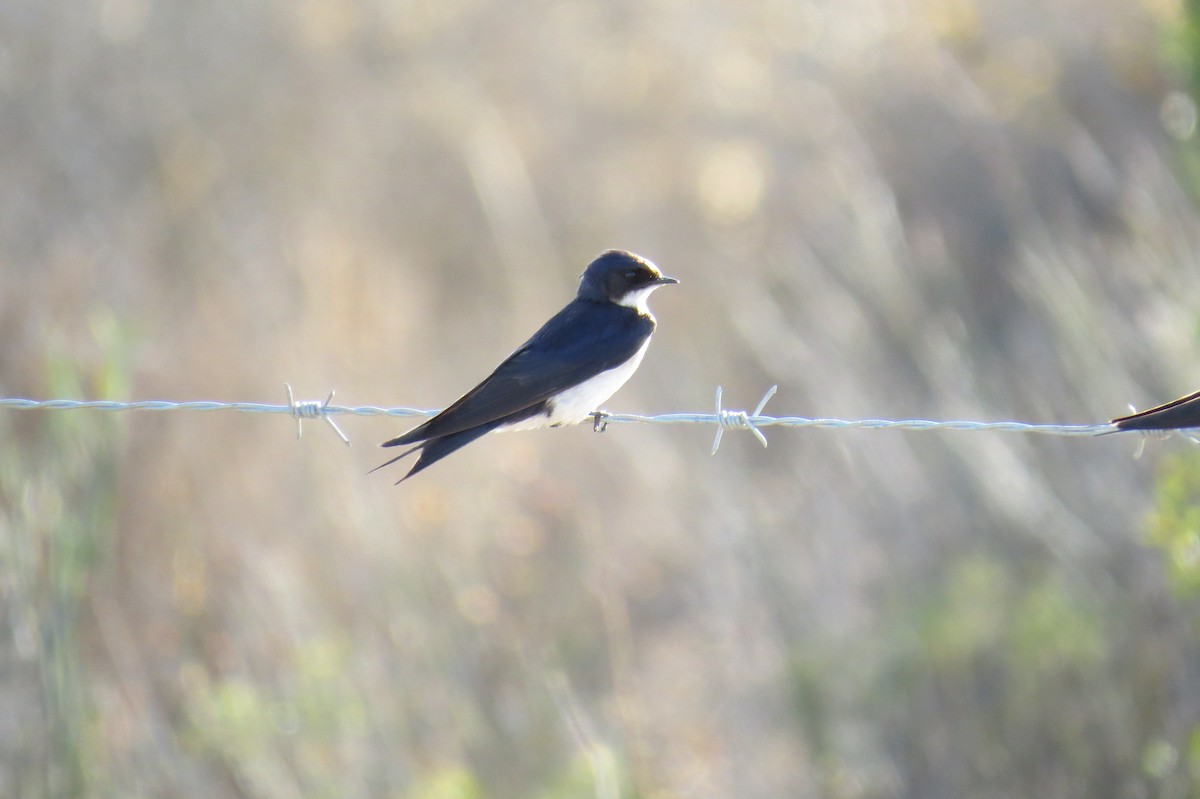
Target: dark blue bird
<point>563,373</point>
<point>1180,414</point>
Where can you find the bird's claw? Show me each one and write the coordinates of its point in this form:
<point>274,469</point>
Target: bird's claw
<point>599,421</point>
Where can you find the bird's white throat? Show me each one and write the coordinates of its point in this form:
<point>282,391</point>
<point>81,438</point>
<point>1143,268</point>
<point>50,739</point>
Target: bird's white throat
<point>638,299</point>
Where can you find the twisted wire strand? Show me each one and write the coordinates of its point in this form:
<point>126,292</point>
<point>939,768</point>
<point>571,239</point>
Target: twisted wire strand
<point>754,421</point>
<point>723,418</point>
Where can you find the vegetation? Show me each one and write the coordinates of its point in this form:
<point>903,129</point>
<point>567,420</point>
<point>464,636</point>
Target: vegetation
<point>944,209</point>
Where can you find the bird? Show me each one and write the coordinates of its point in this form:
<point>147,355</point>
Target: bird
<point>563,373</point>
<point>1175,415</point>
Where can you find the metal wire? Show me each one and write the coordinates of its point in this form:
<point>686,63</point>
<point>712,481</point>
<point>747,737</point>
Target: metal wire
<point>723,418</point>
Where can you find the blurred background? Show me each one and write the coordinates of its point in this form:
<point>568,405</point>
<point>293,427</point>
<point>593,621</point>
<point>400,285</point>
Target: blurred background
<point>936,209</point>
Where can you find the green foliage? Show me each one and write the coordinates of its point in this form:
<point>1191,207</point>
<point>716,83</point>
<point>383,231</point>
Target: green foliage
<point>450,782</point>
<point>58,521</point>
<point>1181,51</point>
<point>1174,524</point>
<point>1035,626</point>
<point>310,713</point>
<point>1173,527</point>
<point>1013,638</point>
<point>584,774</point>
<point>1182,45</point>
<point>234,719</point>
<point>966,616</point>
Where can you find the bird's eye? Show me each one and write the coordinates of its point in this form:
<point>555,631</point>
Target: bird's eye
<point>630,274</point>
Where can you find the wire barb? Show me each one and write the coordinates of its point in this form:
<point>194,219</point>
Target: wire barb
<point>312,409</point>
<point>740,420</point>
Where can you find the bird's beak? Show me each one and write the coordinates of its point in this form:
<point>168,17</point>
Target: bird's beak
<point>663,280</point>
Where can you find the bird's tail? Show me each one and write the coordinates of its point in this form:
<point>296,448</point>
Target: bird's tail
<point>435,449</point>
<point>411,437</point>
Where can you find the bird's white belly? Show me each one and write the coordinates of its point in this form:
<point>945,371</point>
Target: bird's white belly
<point>575,404</point>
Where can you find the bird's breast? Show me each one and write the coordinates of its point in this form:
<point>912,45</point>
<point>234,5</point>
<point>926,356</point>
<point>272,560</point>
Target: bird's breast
<point>575,404</point>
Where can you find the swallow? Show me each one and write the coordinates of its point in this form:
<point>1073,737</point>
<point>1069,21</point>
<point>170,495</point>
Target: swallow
<point>1175,415</point>
<point>563,373</point>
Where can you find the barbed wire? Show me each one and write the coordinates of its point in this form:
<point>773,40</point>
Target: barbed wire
<point>723,418</point>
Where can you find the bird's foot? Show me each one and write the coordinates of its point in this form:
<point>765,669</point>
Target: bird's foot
<point>599,421</point>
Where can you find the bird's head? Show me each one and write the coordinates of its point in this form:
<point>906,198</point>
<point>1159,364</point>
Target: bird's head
<point>621,277</point>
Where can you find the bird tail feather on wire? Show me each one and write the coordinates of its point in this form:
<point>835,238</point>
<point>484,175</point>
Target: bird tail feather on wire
<point>434,449</point>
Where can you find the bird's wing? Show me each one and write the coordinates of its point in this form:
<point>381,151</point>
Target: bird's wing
<point>580,341</point>
<point>1174,415</point>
